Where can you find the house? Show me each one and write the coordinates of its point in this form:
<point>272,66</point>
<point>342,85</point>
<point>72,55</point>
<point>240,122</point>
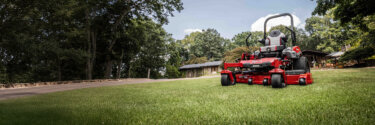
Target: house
<point>196,70</point>
<point>335,55</point>
<point>316,59</point>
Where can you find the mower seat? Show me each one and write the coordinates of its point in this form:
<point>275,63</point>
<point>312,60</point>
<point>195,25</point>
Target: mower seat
<point>275,42</point>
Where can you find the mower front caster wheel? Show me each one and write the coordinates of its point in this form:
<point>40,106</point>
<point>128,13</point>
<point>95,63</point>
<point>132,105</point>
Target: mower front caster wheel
<point>250,81</point>
<point>277,81</point>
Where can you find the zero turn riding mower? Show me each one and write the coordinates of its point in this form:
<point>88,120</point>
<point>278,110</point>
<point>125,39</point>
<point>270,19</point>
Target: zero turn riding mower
<point>273,64</point>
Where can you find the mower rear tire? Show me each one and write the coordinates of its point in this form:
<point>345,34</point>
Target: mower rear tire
<point>277,81</point>
<point>225,81</point>
<point>302,64</point>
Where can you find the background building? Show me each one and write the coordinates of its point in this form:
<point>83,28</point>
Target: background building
<point>196,70</point>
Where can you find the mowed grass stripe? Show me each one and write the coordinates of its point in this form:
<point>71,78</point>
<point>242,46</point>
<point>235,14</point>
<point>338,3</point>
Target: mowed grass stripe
<point>343,96</point>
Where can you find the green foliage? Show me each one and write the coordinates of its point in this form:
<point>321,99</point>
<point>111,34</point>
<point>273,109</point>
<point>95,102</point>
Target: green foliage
<point>174,61</point>
<point>66,40</point>
<point>328,35</point>
<point>233,55</point>
<point>172,71</point>
<point>347,11</point>
<point>39,44</point>
<point>239,40</point>
<point>208,44</point>
<point>358,54</point>
<point>281,28</point>
<point>196,60</point>
<point>153,51</point>
<point>358,15</point>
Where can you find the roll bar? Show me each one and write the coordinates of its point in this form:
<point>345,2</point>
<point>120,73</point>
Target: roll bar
<point>291,29</point>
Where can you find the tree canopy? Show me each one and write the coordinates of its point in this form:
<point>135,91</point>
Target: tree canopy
<point>353,24</point>
<point>66,40</point>
<point>208,44</point>
<point>347,11</point>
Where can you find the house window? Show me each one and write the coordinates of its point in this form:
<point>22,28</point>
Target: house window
<point>214,69</point>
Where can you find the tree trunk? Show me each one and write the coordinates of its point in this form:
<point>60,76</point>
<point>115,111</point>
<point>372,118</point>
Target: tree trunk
<point>119,65</point>
<point>108,67</point>
<point>148,73</point>
<point>59,69</point>
<point>129,70</point>
<point>109,62</point>
<point>93,52</point>
<point>88,60</point>
<point>91,46</point>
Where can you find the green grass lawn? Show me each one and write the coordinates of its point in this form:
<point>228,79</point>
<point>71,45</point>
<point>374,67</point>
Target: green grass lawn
<point>344,96</point>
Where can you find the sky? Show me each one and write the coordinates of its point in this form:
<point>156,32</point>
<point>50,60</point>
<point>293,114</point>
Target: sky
<point>230,17</point>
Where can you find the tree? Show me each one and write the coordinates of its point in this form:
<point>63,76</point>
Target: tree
<point>152,55</point>
<point>121,12</point>
<point>239,40</point>
<point>346,11</point>
<point>327,35</point>
<point>174,60</point>
<point>359,13</point>
<point>358,54</point>
<point>65,40</point>
<point>186,43</point>
<point>200,47</point>
<point>36,41</point>
<point>209,44</point>
<point>196,60</point>
<point>233,55</point>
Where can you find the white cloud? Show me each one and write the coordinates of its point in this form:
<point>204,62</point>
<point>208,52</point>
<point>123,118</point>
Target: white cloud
<point>188,31</point>
<point>302,25</point>
<point>258,25</point>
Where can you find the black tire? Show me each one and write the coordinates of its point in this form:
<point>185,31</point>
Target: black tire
<point>265,83</point>
<point>301,64</point>
<point>277,81</point>
<point>250,83</point>
<point>302,81</point>
<point>225,80</point>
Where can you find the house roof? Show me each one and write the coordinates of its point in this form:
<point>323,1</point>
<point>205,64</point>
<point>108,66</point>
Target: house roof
<point>335,54</point>
<point>207,64</point>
